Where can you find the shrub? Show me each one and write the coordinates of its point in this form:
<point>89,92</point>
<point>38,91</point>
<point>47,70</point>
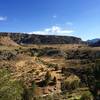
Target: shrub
<point>71,83</point>
<point>54,80</point>
<point>47,78</point>
<point>56,67</point>
<point>10,89</point>
<point>63,70</point>
<point>86,96</point>
<point>31,91</point>
<point>97,69</point>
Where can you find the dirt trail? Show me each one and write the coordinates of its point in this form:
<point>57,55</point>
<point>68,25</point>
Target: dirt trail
<point>58,77</point>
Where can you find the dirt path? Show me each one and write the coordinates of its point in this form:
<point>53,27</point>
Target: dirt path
<point>58,77</point>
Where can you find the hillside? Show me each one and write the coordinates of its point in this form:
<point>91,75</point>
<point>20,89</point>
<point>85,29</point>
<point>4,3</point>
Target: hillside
<point>48,68</point>
<point>22,38</point>
<point>7,41</point>
<point>97,43</point>
<point>49,72</point>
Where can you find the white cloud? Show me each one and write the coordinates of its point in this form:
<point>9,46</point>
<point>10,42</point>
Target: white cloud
<point>54,30</point>
<point>3,18</point>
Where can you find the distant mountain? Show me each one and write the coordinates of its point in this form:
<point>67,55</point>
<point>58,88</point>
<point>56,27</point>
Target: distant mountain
<point>22,38</point>
<point>94,42</point>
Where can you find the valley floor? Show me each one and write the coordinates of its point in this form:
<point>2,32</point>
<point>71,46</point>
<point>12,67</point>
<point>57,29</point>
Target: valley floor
<point>50,72</point>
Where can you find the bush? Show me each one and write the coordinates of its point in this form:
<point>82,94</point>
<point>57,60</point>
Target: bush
<point>97,69</point>
<point>71,83</point>
<point>10,89</point>
<point>47,78</point>
<point>56,68</point>
<point>54,80</point>
<point>31,91</point>
<point>86,96</point>
<point>63,70</point>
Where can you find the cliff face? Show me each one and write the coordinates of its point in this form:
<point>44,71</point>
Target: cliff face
<point>22,38</point>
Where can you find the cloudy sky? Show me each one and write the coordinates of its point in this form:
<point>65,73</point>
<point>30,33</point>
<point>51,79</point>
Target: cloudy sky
<point>53,17</point>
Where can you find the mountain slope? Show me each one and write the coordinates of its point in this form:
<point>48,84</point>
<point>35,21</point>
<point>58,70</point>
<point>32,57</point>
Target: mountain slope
<point>7,41</point>
<point>94,42</point>
<point>21,38</point>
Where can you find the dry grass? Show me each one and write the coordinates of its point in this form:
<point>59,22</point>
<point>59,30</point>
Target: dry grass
<point>31,68</point>
<point>7,41</point>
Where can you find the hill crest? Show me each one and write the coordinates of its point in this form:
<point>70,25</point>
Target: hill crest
<point>24,38</point>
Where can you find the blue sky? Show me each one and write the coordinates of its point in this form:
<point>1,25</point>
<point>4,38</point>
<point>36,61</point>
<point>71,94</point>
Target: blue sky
<point>54,17</point>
